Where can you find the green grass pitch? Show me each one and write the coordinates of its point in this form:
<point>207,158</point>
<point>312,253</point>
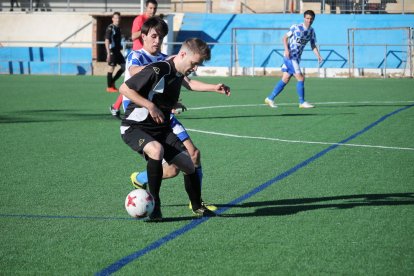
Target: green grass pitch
<point>292,201</point>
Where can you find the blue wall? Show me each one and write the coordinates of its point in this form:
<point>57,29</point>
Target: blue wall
<point>45,60</point>
<point>330,29</point>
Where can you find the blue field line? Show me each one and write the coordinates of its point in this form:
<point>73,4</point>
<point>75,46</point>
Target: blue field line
<point>190,226</point>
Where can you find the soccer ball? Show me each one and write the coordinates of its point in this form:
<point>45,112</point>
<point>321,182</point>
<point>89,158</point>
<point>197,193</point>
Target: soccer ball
<point>139,203</point>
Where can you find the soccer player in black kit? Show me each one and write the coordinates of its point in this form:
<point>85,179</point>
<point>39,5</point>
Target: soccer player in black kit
<point>146,127</point>
<point>113,48</point>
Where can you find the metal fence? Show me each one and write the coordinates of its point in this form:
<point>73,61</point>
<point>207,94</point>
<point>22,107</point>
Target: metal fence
<point>214,6</point>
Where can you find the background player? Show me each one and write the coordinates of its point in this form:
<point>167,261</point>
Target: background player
<point>136,36</point>
<point>294,42</point>
<point>150,10</point>
<point>113,48</point>
<point>153,32</point>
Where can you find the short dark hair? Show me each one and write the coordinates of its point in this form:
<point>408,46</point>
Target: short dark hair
<point>152,2</point>
<point>116,13</point>
<point>156,23</point>
<point>309,12</point>
<point>198,46</point>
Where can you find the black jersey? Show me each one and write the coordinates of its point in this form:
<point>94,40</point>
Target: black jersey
<point>113,34</point>
<point>160,83</point>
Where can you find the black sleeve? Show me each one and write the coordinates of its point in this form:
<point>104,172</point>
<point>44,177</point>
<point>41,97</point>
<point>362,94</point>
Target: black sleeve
<point>186,85</point>
<point>108,32</point>
<point>143,81</point>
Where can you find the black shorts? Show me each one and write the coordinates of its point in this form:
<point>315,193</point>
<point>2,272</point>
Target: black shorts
<point>116,58</point>
<point>137,138</point>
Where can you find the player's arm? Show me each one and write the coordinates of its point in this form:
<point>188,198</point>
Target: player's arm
<point>136,29</point>
<point>134,69</point>
<point>135,35</point>
<point>108,53</point>
<point>285,40</point>
<point>107,43</point>
<point>195,85</point>
<point>139,100</point>
<point>316,52</point>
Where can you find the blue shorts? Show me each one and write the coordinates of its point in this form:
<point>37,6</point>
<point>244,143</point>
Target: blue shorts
<point>291,66</point>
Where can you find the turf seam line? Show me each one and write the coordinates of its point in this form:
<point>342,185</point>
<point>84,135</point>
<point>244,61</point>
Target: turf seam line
<point>116,266</point>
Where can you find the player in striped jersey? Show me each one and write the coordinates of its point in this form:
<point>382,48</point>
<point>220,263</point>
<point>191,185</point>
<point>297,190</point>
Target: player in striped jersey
<point>294,42</point>
<point>154,30</point>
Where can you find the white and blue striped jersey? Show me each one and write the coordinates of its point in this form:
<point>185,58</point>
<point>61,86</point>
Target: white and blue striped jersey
<point>141,58</point>
<point>298,37</point>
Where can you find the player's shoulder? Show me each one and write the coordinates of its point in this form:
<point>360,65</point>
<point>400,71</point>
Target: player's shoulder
<point>160,67</point>
<point>135,53</point>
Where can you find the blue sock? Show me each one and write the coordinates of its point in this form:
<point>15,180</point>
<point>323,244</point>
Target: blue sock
<point>300,88</point>
<point>142,177</point>
<point>199,172</point>
<point>276,91</point>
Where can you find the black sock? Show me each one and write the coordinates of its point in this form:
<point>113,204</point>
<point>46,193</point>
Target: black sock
<point>118,75</point>
<point>109,80</point>
<point>192,187</point>
<point>154,171</point>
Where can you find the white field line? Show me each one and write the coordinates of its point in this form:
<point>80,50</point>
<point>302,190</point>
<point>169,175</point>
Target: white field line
<point>294,104</point>
<point>293,141</point>
<point>298,141</point>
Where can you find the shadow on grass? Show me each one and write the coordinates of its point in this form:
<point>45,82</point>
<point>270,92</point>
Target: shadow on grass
<point>52,115</point>
<point>293,206</point>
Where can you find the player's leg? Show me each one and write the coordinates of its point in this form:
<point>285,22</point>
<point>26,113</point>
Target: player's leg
<point>300,88</point>
<point>144,143</point>
<point>182,134</point>
<point>140,179</point>
<point>176,154</point>
<point>154,152</point>
<point>287,70</point>
<point>109,79</point>
<point>300,85</point>
<point>121,61</point>
<point>114,108</point>
<point>195,155</point>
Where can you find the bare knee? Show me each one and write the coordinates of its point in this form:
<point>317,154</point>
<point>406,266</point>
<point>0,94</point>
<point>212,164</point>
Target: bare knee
<point>286,77</point>
<point>300,77</point>
<point>169,171</point>
<point>154,150</point>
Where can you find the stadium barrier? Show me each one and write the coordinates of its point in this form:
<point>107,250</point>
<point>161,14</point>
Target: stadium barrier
<point>46,60</point>
<point>254,59</point>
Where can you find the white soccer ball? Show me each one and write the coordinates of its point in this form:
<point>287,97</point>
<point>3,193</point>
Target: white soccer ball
<point>139,203</point>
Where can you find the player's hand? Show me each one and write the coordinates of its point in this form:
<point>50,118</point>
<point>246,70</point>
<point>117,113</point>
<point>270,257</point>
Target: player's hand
<point>223,89</point>
<point>178,108</point>
<point>320,59</point>
<point>156,114</point>
<point>286,54</point>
